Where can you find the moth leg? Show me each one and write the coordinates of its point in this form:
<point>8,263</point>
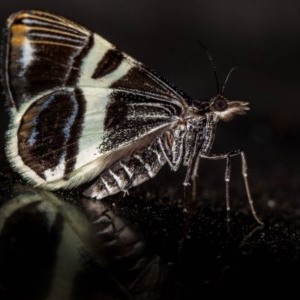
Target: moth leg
<point>191,150</point>
<point>228,156</point>
<point>128,172</point>
<point>171,145</point>
<point>125,192</point>
<point>198,137</point>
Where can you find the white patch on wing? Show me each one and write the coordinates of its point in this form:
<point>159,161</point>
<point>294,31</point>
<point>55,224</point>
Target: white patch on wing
<point>96,53</point>
<point>27,55</point>
<point>93,128</point>
<point>57,172</point>
<point>90,62</point>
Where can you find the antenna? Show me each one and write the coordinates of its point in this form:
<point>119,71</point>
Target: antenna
<point>212,62</point>
<point>227,77</point>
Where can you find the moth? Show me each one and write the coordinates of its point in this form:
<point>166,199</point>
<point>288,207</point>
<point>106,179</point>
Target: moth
<point>82,110</point>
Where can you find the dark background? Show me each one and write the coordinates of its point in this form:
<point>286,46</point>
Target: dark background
<point>263,37</point>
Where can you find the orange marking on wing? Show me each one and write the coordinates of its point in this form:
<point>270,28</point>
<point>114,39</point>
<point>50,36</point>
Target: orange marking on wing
<point>22,15</point>
<point>18,35</point>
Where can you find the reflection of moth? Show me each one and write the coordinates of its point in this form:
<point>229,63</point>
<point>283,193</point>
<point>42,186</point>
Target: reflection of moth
<point>51,250</point>
<point>81,109</point>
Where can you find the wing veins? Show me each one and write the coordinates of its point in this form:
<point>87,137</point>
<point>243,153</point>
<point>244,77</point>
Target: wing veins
<point>161,82</point>
<point>153,105</point>
<point>58,20</point>
<point>153,96</point>
<point>57,31</point>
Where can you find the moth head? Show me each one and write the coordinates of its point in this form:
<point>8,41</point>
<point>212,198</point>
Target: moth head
<point>226,110</point>
<point>219,106</point>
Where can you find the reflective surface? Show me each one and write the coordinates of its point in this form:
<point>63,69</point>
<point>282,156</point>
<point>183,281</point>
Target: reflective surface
<point>53,249</point>
<point>139,247</point>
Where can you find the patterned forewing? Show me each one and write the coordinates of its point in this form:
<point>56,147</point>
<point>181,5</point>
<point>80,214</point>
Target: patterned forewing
<point>77,103</point>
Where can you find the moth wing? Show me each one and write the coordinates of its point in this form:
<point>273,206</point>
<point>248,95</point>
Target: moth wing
<point>77,103</point>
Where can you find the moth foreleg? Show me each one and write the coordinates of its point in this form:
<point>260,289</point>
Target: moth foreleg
<point>228,156</point>
<point>192,144</point>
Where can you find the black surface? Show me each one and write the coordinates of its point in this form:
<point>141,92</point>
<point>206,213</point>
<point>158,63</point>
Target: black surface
<point>200,251</point>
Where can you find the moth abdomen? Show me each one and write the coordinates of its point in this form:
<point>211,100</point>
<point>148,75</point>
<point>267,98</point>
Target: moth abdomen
<point>128,172</point>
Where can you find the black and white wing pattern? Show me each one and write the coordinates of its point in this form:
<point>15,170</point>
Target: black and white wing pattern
<point>77,104</point>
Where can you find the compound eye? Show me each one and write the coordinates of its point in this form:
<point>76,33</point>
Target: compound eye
<point>220,104</point>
